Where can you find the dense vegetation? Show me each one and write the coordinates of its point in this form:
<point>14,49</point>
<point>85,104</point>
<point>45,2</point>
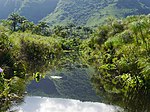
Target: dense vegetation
<point>119,51</point>
<point>80,12</point>
<point>29,50</point>
<point>22,54</point>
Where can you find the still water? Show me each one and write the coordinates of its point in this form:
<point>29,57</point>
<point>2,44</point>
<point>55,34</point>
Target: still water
<point>44,104</point>
<point>71,91</point>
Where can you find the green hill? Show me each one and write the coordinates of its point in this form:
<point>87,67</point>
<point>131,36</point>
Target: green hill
<point>94,12</point>
<point>80,12</point>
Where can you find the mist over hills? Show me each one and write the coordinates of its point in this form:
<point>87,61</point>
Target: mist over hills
<point>34,10</point>
<point>80,12</point>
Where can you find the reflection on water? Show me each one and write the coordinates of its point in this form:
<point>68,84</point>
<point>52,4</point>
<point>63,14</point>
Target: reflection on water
<point>56,77</point>
<point>38,104</point>
<point>134,100</point>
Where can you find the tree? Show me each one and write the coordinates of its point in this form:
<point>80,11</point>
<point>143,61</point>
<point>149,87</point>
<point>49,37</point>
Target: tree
<point>26,25</point>
<point>41,28</point>
<point>14,17</point>
<point>22,19</point>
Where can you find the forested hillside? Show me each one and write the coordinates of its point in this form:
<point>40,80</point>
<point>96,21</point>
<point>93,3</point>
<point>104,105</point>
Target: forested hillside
<point>79,12</point>
<point>94,12</point>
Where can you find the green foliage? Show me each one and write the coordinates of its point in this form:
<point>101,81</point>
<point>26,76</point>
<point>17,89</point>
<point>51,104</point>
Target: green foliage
<point>119,51</point>
<point>38,53</point>
<point>15,19</point>
<point>72,31</point>
<point>21,55</point>
<point>41,29</point>
<point>121,56</point>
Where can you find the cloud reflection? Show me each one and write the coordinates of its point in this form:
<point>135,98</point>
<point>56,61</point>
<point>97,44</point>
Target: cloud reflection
<point>38,104</point>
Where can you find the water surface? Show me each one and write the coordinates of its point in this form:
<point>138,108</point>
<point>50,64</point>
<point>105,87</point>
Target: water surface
<point>44,104</point>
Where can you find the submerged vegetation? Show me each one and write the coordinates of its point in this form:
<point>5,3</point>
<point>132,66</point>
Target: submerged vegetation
<point>119,50</point>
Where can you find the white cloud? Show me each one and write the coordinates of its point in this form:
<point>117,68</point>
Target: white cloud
<point>56,77</point>
<point>37,104</point>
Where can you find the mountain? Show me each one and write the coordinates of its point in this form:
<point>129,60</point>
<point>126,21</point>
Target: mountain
<point>94,12</point>
<point>7,7</point>
<point>34,10</point>
<point>80,12</point>
<point>74,84</point>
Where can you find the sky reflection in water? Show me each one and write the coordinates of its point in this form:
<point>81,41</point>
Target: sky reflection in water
<point>38,104</point>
